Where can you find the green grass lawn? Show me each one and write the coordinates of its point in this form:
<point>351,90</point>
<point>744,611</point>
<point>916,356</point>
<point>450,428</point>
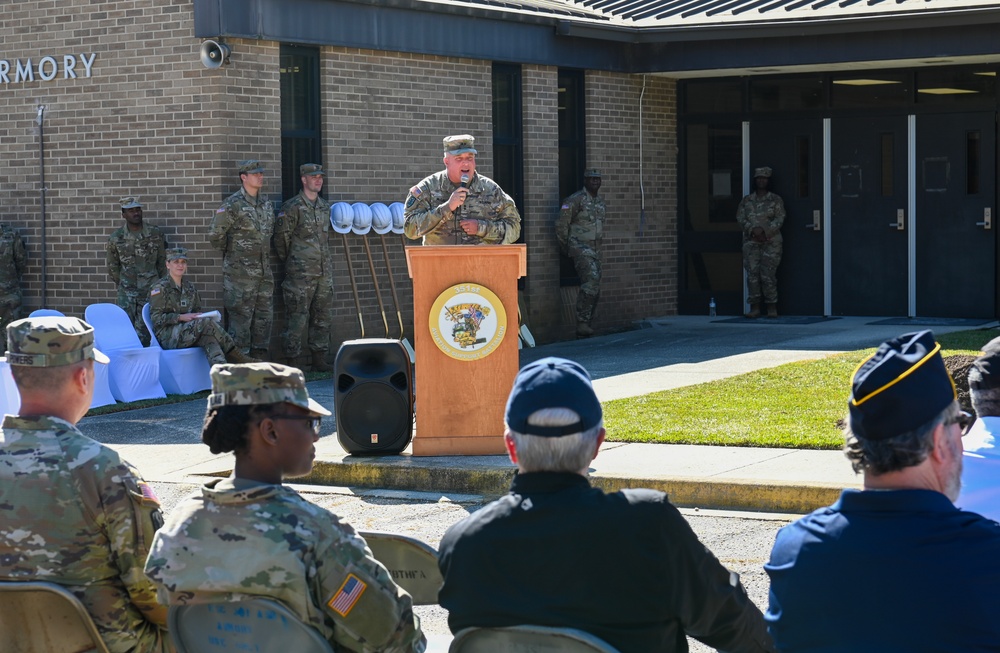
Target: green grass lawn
<point>795,405</point>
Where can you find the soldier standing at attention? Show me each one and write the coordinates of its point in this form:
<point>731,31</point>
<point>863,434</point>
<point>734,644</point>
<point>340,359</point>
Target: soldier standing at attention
<point>300,238</point>
<point>136,260</point>
<point>71,511</point>
<point>175,311</point>
<point>12,260</point>
<point>761,214</point>
<point>241,230</point>
<point>580,228</point>
<point>458,206</point>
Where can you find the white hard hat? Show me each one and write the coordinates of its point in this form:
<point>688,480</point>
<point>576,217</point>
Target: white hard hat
<point>362,218</point>
<point>396,210</point>
<point>341,217</point>
<point>381,218</point>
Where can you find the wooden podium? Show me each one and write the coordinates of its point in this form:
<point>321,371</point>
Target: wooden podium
<point>465,341</point>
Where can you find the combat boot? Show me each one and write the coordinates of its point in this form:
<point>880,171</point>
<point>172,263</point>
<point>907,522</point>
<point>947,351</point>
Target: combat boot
<point>236,355</point>
<point>772,310</point>
<point>754,311</point>
<point>319,363</point>
<point>583,330</point>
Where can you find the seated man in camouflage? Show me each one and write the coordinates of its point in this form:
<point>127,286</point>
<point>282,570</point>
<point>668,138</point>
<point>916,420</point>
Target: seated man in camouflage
<point>175,311</point>
<point>71,511</point>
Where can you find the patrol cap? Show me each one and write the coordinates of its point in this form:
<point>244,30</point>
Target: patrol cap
<point>460,144</point>
<point>762,172</point>
<point>254,384</point>
<point>984,373</point>
<point>175,253</point>
<point>311,169</point>
<point>592,172</point>
<point>900,387</point>
<point>251,166</point>
<point>51,341</point>
<point>552,383</point>
<point>129,202</point>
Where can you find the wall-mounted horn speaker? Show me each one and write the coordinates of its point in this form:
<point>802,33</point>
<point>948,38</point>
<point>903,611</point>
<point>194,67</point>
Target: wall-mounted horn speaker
<point>214,54</point>
<point>373,396</point>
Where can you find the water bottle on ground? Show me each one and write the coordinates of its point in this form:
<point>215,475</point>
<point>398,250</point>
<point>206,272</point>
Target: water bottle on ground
<point>711,307</point>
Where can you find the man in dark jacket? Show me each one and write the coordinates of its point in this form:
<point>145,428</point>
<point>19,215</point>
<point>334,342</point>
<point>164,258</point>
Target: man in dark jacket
<point>625,567</point>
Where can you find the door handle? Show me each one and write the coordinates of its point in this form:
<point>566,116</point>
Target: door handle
<point>987,222</point>
<point>900,223</point>
<point>816,221</point>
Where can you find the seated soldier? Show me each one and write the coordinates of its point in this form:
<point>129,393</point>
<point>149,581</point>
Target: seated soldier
<point>254,536</point>
<point>174,310</point>
<point>71,511</point>
<point>625,567</point>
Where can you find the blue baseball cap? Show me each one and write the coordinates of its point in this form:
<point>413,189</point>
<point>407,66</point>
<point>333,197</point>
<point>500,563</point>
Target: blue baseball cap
<point>552,383</point>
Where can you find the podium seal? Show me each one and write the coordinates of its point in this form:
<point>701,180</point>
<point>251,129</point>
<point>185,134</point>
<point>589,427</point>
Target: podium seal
<point>467,322</point>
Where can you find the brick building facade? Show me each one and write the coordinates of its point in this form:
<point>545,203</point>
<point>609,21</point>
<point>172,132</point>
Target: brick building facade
<point>150,120</point>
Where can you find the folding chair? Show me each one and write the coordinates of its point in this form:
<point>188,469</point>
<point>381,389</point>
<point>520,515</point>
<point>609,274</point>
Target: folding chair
<point>10,398</point>
<point>256,624</point>
<point>182,371</point>
<point>412,564</point>
<point>522,639</point>
<point>134,370</point>
<point>46,312</point>
<point>39,617</point>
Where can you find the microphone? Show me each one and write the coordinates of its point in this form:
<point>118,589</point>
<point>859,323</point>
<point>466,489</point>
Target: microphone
<point>465,181</point>
<point>458,213</point>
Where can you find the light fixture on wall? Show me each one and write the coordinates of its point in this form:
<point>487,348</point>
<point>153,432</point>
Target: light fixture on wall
<point>214,53</point>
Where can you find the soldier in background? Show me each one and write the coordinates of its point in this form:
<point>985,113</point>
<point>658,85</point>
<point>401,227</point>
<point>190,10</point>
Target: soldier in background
<point>300,238</point>
<point>241,230</point>
<point>458,206</point>
<point>12,260</point>
<point>136,260</point>
<point>580,228</point>
<point>175,311</point>
<point>72,512</point>
<point>761,214</point>
<point>258,536</point>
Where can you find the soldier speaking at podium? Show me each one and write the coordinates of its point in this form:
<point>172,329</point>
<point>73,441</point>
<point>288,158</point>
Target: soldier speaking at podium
<point>458,206</point>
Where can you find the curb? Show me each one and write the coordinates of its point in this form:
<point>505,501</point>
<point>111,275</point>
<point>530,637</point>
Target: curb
<point>716,494</point>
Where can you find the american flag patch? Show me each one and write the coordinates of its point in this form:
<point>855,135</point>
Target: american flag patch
<point>415,191</point>
<point>154,291</point>
<point>222,209</point>
<point>347,596</point>
<point>147,492</point>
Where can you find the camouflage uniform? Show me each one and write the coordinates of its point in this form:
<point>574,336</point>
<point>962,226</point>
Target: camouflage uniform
<point>580,228</point>
<point>71,511</point>
<point>427,214</point>
<point>300,238</point>
<point>239,537</point>
<point>12,260</point>
<point>167,302</point>
<point>242,229</point>
<point>761,259</point>
<point>135,261</point>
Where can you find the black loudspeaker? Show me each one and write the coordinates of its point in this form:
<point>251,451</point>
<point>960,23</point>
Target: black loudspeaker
<point>373,396</point>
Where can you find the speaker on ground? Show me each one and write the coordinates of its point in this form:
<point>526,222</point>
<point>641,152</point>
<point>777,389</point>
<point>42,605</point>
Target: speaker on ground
<point>373,396</point>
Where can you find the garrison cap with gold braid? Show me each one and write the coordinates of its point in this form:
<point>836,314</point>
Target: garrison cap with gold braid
<point>51,342</point>
<point>902,386</point>
<point>254,384</point>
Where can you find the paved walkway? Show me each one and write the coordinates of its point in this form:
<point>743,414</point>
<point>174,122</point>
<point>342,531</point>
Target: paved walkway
<point>164,443</point>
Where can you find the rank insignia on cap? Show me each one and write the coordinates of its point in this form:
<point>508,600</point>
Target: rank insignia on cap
<point>347,596</point>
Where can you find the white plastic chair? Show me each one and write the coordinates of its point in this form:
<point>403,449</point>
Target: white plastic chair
<point>102,384</point>
<point>182,371</point>
<point>527,638</point>
<point>134,370</point>
<point>40,617</point>
<point>256,624</point>
<point>10,398</point>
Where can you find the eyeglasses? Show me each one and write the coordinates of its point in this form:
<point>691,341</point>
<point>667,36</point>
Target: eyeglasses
<point>314,422</point>
<point>965,421</point>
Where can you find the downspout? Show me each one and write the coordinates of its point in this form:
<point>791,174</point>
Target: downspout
<point>642,191</point>
<point>41,183</point>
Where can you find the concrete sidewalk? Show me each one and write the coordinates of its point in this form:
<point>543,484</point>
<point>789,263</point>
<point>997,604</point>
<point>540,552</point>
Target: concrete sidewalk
<point>164,441</point>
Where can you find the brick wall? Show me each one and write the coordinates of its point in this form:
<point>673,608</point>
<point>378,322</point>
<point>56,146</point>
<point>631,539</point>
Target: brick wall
<point>152,121</point>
